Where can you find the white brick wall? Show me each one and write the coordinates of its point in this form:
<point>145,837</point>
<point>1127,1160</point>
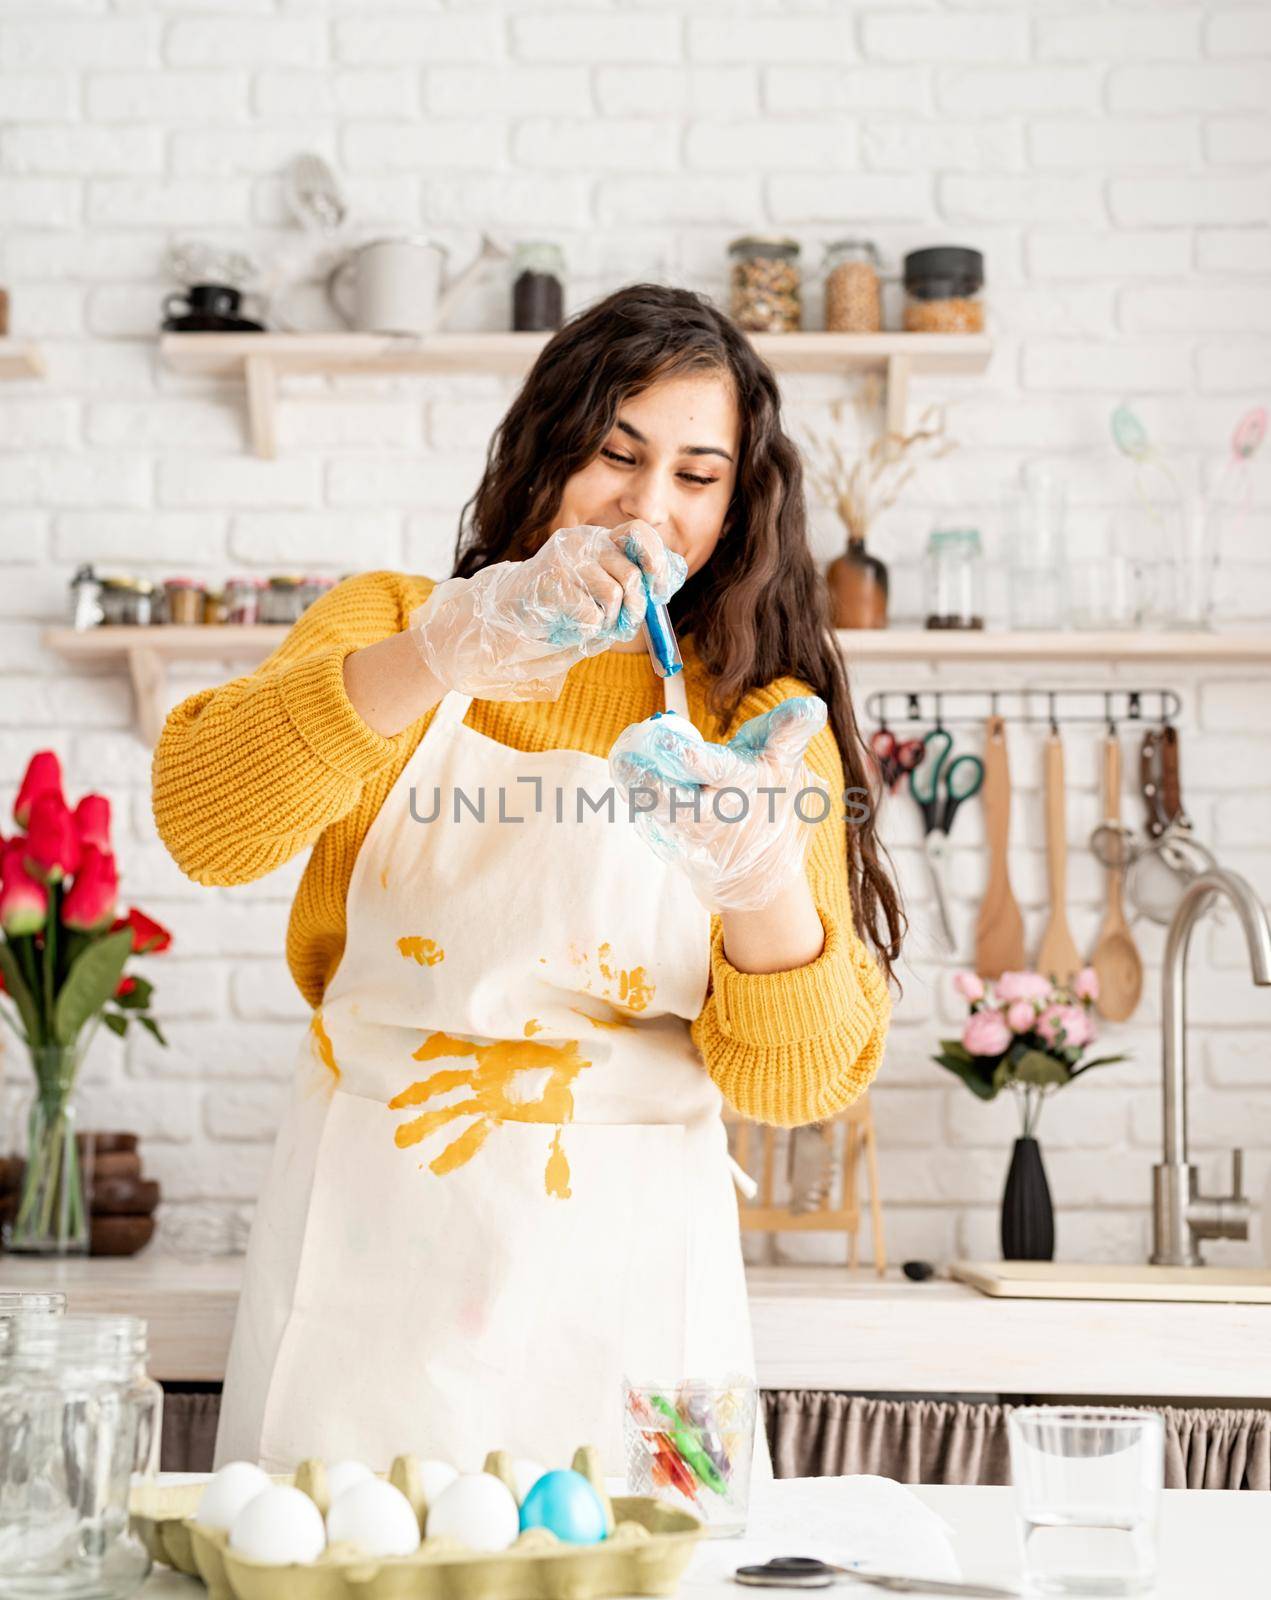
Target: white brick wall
<point>1112,159</point>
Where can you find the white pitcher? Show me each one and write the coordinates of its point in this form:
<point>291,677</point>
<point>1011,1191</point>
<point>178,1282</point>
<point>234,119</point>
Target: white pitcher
<point>401,286</point>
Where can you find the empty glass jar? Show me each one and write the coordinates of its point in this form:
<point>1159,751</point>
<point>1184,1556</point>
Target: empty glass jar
<point>78,1416</point>
<point>955,579</point>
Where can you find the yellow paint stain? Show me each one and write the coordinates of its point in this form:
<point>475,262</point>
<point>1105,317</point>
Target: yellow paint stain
<point>615,1021</point>
<point>424,952</point>
<point>557,1174</point>
<point>325,1053</point>
<point>494,1097</point>
<point>625,988</point>
<point>532,1027</point>
<point>383,877</point>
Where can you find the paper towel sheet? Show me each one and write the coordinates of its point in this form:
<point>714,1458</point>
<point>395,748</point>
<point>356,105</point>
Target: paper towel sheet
<point>856,1521</point>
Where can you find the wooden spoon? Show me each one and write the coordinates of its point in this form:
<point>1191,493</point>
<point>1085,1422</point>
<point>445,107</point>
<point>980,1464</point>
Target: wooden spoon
<point>1058,956</point>
<point>1116,959</point>
<point>999,932</point>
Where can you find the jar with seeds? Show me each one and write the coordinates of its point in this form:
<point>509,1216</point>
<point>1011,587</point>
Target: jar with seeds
<point>853,303</point>
<point>766,289</point>
<point>944,290</point>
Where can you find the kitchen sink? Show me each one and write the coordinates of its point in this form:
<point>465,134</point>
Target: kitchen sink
<point>1070,1280</point>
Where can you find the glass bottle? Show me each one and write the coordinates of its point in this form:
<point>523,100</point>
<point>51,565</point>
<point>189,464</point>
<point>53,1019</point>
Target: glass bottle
<point>766,288</point>
<point>853,302</point>
<point>538,288</point>
<point>78,1416</point>
<point>1036,567</point>
<point>954,579</point>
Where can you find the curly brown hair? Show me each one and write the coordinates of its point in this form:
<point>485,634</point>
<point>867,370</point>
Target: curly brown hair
<point>757,610</point>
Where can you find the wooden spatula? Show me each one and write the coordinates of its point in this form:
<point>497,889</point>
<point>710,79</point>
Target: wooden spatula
<point>1057,956</point>
<point>999,932</point>
<point>1116,959</point>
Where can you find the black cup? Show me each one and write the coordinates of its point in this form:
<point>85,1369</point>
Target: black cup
<point>204,300</point>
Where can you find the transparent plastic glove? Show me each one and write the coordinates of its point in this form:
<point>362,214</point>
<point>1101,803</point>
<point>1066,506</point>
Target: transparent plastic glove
<point>513,630</point>
<point>736,817</point>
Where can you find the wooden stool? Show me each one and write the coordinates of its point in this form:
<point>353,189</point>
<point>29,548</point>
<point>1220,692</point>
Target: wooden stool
<point>754,1147</point>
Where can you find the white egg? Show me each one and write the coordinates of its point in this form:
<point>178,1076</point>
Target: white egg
<point>228,1492</point>
<point>435,1477</point>
<point>279,1527</point>
<point>343,1475</point>
<point>477,1510</point>
<point>526,1472</point>
<point>375,1517</point>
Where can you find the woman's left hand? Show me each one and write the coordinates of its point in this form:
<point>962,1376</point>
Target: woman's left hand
<point>736,817</point>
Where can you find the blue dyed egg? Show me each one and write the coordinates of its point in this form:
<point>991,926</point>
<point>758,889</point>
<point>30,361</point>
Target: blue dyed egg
<point>565,1503</point>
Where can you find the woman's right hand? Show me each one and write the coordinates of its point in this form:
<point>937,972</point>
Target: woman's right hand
<point>513,630</point>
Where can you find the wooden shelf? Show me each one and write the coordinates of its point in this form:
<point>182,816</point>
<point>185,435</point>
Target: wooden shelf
<point>260,359</point>
<point>19,360</point>
<point>147,651</point>
<point>950,645</point>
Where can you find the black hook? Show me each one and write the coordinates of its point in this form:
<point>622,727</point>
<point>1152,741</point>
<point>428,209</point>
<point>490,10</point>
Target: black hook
<point>1107,711</point>
<point>915,708</point>
<point>1135,704</point>
<point>939,712</point>
<point>1050,700</point>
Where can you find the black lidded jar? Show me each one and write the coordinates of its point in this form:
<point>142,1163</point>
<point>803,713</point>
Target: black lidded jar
<point>944,290</point>
<point>538,288</point>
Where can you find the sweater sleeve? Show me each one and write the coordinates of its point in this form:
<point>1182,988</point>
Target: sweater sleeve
<point>247,775</point>
<point>793,1047</point>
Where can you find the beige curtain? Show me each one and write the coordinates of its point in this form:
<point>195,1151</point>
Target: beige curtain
<point>817,1434</point>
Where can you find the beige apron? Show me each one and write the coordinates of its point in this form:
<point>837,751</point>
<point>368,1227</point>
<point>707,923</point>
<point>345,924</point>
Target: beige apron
<point>502,1180</point>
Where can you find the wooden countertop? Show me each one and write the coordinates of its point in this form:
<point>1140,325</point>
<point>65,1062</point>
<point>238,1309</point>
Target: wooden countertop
<point>815,1328</point>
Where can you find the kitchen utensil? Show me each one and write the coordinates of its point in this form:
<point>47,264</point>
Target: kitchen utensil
<point>805,1572</point>
<point>895,757</point>
<point>999,930</point>
<point>314,195</point>
<point>940,787</point>
<point>400,286</point>
<point>1116,958</point>
<point>221,301</point>
<point>1131,439</point>
<point>1157,876</point>
<point>1087,1484</point>
<point>1057,956</point>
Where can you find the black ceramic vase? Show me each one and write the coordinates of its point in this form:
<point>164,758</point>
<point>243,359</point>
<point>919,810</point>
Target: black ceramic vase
<point>1028,1219</point>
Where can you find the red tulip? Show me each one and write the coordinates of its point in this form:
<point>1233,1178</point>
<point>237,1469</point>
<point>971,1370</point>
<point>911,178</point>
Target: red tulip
<point>24,901</point>
<point>149,938</point>
<point>92,821</point>
<point>90,901</point>
<point>52,847</point>
<point>43,776</point>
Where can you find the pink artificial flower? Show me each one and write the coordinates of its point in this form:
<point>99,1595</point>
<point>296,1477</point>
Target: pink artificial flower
<point>1023,986</point>
<point>1021,1015</point>
<point>90,900</point>
<point>43,776</point>
<point>986,1034</point>
<point>92,818</point>
<point>1086,986</point>
<point>969,985</point>
<point>51,849</point>
<point>1065,1027</point>
<point>24,901</point>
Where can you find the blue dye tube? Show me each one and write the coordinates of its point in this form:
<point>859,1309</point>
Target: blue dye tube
<point>659,635</point>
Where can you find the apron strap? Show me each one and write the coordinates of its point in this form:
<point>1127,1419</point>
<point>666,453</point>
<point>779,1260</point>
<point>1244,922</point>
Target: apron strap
<point>452,708</point>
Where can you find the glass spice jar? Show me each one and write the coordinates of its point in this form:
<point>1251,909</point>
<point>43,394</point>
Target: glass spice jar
<point>282,600</point>
<point>766,287</point>
<point>538,288</point>
<point>954,579</point>
<point>944,290</point>
<point>127,602</point>
<point>853,302</point>
<point>242,599</point>
<point>213,607</point>
<point>78,1416</point>
<point>184,601</point>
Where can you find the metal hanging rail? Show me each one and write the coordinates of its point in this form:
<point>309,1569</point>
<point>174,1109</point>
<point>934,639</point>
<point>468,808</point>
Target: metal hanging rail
<point>1039,707</point>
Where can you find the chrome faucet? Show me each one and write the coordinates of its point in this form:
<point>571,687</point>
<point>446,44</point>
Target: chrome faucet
<point>1181,1214</point>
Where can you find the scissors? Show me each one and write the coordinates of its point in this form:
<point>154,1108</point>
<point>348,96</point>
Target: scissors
<point>940,787</point>
<point>895,757</point>
<point>805,1572</point>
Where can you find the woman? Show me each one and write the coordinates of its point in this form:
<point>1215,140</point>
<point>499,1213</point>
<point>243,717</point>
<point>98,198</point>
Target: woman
<point>502,1179</point>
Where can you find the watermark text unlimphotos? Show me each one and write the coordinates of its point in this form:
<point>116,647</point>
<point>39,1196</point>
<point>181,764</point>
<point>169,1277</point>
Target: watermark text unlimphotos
<point>728,804</point>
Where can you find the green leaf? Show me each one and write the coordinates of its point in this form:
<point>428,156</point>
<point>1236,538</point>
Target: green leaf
<point>15,983</point>
<point>956,1049</point>
<point>115,1022</point>
<point>973,1075</point>
<point>151,1026</point>
<point>138,998</point>
<point>90,983</point>
<point>1036,1068</point>
<point>1099,1061</point>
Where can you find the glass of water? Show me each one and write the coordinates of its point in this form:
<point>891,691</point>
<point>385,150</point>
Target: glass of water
<point>1087,1494</point>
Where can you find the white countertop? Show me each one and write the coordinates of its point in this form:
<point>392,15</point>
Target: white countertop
<point>1213,1542</point>
<point>815,1328</point>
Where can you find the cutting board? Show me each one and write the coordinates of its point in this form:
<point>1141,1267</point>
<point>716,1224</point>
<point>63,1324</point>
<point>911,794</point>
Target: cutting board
<point>1071,1280</point>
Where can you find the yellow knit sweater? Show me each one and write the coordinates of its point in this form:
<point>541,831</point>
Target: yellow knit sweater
<point>247,775</point>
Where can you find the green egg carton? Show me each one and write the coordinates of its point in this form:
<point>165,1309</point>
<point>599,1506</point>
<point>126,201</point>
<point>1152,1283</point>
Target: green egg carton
<point>647,1549</point>
<point>162,1517</point>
